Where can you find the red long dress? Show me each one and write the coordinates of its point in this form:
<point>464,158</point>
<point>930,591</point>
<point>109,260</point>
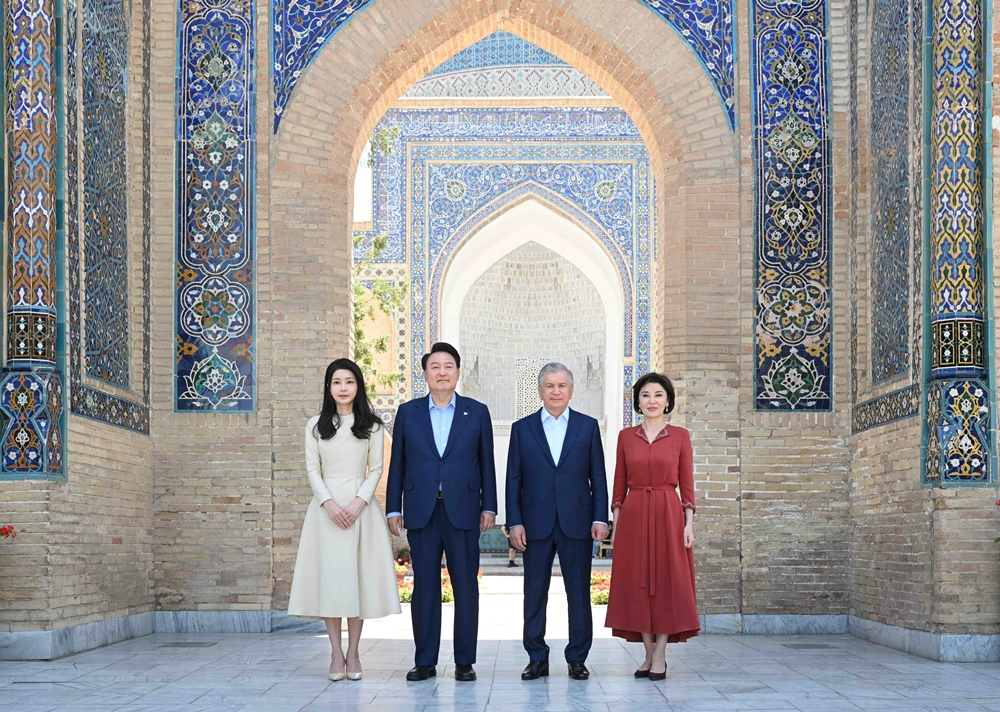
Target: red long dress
<point>652,572</point>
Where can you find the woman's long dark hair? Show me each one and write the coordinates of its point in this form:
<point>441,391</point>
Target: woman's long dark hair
<point>365,419</point>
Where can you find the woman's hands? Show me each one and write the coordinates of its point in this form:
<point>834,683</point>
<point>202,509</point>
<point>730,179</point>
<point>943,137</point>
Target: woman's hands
<point>688,535</point>
<point>344,518</point>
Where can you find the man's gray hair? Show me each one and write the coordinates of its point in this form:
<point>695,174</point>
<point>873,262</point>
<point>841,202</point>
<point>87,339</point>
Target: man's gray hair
<point>554,367</point>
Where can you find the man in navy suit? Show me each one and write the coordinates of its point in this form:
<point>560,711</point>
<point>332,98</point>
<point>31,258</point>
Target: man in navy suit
<point>557,501</point>
<point>442,488</point>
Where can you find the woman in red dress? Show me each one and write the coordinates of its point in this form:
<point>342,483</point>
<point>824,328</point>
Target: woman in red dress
<point>652,596</point>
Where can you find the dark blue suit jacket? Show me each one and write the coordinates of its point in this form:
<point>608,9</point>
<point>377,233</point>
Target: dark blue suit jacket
<point>537,489</point>
<point>466,472</point>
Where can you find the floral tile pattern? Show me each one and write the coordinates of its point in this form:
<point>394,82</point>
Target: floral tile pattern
<point>792,163</point>
<point>301,27</point>
<point>216,185</point>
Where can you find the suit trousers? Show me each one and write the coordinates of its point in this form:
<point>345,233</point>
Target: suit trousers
<point>574,561</point>
<point>462,548</point>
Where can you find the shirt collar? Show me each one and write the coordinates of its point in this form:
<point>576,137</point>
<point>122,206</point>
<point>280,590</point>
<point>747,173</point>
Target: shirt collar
<point>430,399</point>
<point>641,432</point>
<point>547,416</point>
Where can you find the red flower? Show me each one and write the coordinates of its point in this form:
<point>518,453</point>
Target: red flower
<point>8,531</point>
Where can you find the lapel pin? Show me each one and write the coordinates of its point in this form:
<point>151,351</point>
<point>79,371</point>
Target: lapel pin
<point>464,413</point>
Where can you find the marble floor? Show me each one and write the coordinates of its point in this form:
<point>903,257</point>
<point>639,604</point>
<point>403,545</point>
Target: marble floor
<point>285,672</point>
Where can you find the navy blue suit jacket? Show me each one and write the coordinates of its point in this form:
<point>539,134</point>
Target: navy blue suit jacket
<point>537,489</point>
<point>466,473</point>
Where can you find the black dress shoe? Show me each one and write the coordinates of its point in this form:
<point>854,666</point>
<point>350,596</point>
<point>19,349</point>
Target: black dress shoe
<point>535,670</point>
<point>421,672</point>
<point>464,673</point>
<point>578,671</point>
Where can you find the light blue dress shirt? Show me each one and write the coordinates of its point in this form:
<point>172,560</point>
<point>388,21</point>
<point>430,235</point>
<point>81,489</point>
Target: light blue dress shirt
<point>555,435</point>
<point>555,432</point>
<point>441,420</point>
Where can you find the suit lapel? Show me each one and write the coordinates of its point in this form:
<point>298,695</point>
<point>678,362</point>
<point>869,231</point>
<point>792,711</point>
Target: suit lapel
<point>424,419</point>
<point>572,430</point>
<point>458,423</point>
<point>535,423</point>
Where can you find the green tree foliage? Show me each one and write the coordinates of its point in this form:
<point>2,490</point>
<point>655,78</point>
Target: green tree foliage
<point>384,296</point>
<point>383,141</point>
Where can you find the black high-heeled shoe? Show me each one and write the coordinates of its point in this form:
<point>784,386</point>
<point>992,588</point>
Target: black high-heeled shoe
<point>657,676</point>
<point>641,673</point>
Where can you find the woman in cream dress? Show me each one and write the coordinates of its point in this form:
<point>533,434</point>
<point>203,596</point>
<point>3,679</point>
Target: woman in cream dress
<point>344,568</point>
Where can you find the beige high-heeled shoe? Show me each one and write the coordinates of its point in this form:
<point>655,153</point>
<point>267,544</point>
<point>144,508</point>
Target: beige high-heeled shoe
<point>337,676</point>
<point>352,675</point>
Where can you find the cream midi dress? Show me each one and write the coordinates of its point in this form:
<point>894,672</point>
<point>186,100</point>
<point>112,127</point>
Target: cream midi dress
<point>347,573</point>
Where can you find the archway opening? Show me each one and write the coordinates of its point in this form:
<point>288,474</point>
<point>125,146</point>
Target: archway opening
<point>526,288</point>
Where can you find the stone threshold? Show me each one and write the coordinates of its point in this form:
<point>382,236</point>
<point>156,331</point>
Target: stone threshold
<point>52,644</point>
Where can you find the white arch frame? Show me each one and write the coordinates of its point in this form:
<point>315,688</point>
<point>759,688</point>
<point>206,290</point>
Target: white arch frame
<point>533,221</point>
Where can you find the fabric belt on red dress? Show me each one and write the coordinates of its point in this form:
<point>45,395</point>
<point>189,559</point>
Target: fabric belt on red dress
<point>647,562</point>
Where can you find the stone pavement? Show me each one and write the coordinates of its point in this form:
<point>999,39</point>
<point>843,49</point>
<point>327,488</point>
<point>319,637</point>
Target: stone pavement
<point>286,672</point>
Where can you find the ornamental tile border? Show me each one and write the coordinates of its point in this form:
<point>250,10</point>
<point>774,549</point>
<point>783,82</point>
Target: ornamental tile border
<point>898,405</point>
<point>453,170</point>
<point>85,400</point>
<point>792,164</point>
<point>300,29</point>
<point>215,299</point>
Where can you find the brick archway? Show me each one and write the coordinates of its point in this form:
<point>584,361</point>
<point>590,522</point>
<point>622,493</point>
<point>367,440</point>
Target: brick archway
<point>373,59</point>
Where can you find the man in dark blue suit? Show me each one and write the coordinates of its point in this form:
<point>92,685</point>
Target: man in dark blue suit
<point>442,488</point>
<point>557,501</point>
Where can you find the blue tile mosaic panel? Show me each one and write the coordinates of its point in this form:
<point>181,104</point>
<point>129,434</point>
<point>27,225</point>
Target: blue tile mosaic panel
<point>453,170</point>
<point>104,55</point>
<point>792,163</point>
<point>890,17</point>
<point>890,189</point>
<point>215,187</point>
<point>31,385</point>
<point>959,399</point>
<point>300,28</point>
<point>87,184</point>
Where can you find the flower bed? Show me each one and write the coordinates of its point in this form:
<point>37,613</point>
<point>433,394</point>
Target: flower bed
<point>600,587</point>
<point>404,581</point>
